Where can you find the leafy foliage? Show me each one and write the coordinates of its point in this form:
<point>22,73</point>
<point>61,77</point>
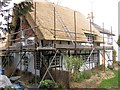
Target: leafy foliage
<point>87,74</point>
<point>118,42</point>
<point>50,85</point>
<point>73,63</point>
<point>18,10</point>
<point>81,76</point>
<point>4,3</point>
<point>46,84</point>
<point>118,63</point>
<point>114,56</point>
<point>5,14</point>
<point>22,8</point>
<point>9,88</point>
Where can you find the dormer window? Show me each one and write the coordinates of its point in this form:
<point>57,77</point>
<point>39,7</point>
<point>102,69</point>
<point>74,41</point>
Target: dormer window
<point>90,37</point>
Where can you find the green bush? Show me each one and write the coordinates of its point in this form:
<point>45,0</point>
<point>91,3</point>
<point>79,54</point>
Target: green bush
<point>75,77</point>
<point>118,62</point>
<point>118,42</point>
<point>9,88</point>
<point>73,63</point>
<point>47,84</point>
<point>114,56</point>
<point>59,86</point>
<point>87,74</point>
<point>79,77</point>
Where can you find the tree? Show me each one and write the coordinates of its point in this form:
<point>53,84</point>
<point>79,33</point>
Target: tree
<point>114,56</point>
<point>22,8</point>
<point>3,9</point>
<point>118,42</point>
<point>18,10</point>
<point>73,65</point>
<point>4,3</point>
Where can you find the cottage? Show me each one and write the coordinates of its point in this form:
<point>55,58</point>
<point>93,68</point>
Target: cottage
<point>108,41</point>
<point>50,28</point>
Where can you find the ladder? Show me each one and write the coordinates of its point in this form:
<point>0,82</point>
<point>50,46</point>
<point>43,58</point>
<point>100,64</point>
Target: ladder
<point>65,28</point>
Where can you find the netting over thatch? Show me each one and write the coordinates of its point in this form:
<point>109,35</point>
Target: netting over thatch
<point>45,21</point>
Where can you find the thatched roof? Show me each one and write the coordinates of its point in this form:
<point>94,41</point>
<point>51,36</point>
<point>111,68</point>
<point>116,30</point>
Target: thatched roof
<point>45,21</point>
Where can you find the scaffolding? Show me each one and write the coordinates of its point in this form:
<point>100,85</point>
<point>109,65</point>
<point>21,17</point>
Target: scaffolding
<point>40,52</point>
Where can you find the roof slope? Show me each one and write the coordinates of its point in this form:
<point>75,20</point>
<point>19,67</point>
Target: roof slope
<point>45,21</point>
<point>101,29</point>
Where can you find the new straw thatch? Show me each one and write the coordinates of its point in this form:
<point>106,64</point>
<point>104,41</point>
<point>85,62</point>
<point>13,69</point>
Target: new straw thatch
<point>45,21</point>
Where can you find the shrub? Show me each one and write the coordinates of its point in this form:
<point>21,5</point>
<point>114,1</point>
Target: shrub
<point>87,74</point>
<point>73,64</point>
<point>79,77</point>
<point>9,88</point>
<point>118,42</point>
<point>75,77</point>
<point>114,56</point>
<point>47,84</point>
<point>59,86</point>
<point>118,62</point>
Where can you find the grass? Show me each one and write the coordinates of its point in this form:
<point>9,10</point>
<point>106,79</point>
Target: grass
<point>113,82</point>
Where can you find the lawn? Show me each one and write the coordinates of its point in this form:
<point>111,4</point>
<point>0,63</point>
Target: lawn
<point>113,82</point>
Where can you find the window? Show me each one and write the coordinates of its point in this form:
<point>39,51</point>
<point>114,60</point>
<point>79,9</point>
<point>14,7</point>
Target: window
<point>57,61</point>
<point>30,41</point>
<point>90,37</point>
<point>109,39</point>
<point>22,35</point>
<point>85,57</point>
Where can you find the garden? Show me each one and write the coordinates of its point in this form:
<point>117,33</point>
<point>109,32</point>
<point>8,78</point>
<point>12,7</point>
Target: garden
<point>93,78</point>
